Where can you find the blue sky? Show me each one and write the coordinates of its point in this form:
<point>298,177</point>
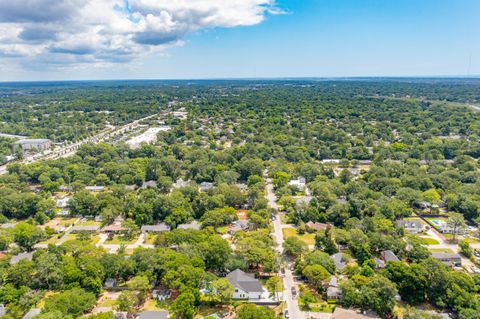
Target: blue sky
<point>311,38</point>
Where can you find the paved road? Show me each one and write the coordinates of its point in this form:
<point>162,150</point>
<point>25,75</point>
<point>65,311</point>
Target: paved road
<point>288,280</point>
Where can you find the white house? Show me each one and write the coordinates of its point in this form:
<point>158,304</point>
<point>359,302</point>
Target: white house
<point>245,285</point>
<point>300,183</point>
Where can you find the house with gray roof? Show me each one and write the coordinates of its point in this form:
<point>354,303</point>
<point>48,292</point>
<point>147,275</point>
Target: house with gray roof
<point>239,225</point>
<point>87,229</point>
<point>153,314</point>
<point>192,225</point>
<point>159,228</point>
<point>388,255</point>
<point>246,286</point>
<point>340,260</point>
<point>32,313</point>
<point>16,259</point>
<point>413,226</point>
<point>28,144</point>
<point>449,259</point>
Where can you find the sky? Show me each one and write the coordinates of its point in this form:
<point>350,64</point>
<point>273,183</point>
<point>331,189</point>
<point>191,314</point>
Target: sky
<point>42,40</point>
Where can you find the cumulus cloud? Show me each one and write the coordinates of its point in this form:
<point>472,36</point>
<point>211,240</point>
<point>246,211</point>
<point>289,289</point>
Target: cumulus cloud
<point>110,31</point>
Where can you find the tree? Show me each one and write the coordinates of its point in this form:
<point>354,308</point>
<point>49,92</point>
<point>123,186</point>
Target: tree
<point>456,221</point>
<point>72,302</point>
<point>294,247</point>
<point>223,289</point>
<point>274,285</point>
<point>184,306</point>
<point>27,235</point>
<point>250,311</point>
<point>131,228</point>
<point>316,275</point>
<point>325,242</point>
<point>127,301</point>
<point>432,196</point>
<point>465,248</point>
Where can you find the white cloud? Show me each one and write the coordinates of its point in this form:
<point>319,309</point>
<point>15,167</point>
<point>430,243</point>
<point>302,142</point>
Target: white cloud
<point>109,31</point>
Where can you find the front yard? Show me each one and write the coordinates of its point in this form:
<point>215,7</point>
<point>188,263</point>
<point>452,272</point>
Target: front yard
<point>307,238</point>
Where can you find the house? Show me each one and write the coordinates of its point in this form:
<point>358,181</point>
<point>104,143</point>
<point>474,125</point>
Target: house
<point>120,315</point>
<point>87,229</point>
<point>3,310</point>
<point>16,259</point>
<point>114,229</point>
<point>388,255</point>
<point>314,226</point>
<point>245,285</point>
<point>240,225</point>
<point>242,186</point>
<point>333,289</point>
<point>342,313</point>
<point>32,313</point>
<point>380,263</point>
<point>340,260</point>
<point>28,144</point>
<point>303,200</point>
<point>159,228</point>
<point>7,226</point>
<point>449,259</point>
<point>110,283</point>
<point>411,226</point>
<point>153,314</point>
<point>95,188</point>
<point>179,183</point>
<point>192,225</point>
<point>443,227</point>
<point>299,183</point>
<point>62,202</point>
<point>162,294</point>
<point>205,186</point>
<point>149,184</point>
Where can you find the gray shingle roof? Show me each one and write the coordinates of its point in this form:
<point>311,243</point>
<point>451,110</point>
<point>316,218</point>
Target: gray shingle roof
<point>154,314</point>
<point>339,261</point>
<point>244,281</point>
<point>15,259</point>
<point>155,228</point>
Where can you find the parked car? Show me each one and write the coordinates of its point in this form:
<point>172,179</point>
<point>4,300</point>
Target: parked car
<point>285,314</point>
<point>294,291</point>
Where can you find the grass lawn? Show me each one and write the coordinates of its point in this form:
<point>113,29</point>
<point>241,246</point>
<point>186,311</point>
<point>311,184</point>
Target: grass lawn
<point>472,240</point>
<point>108,303</point>
<point>120,240</point>
<point>307,238</point>
<point>52,240</point>
<point>93,239</point>
<point>223,230</point>
<point>440,250</point>
<point>428,241</point>
<point>89,222</point>
<point>149,239</point>
<point>151,304</point>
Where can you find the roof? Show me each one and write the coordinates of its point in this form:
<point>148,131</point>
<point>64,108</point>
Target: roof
<point>156,228</point>
<point>85,228</point>
<point>334,292</point>
<point>32,313</point>
<point>239,225</point>
<point>15,259</point>
<point>154,314</point>
<point>244,281</point>
<point>339,260</point>
<point>388,255</point>
<point>32,141</point>
<point>341,313</point>
<point>409,223</point>
<point>114,228</point>
<point>192,225</point>
<point>333,281</point>
<point>316,226</point>
<point>446,256</point>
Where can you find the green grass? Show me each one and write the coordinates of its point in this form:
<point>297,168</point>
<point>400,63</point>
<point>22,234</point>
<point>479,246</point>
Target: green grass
<point>120,240</point>
<point>441,250</point>
<point>108,303</point>
<point>429,241</point>
<point>472,240</point>
<point>149,239</point>
<point>89,222</point>
<point>307,238</point>
<point>223,230</point>
<point>93,238</point>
